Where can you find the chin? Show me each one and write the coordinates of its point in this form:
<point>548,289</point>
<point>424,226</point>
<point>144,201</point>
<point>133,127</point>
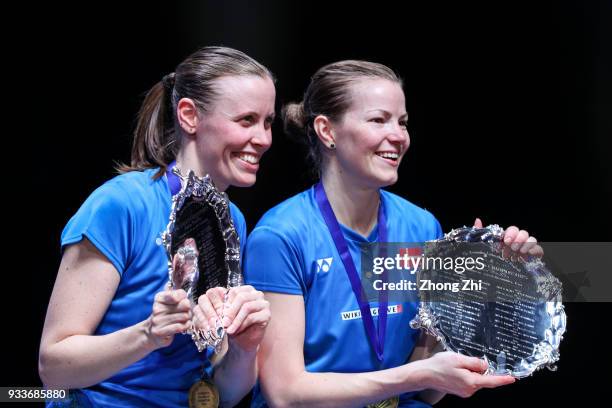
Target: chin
<point>244,181</point>
<point>382,182</point>
<point>387,183</point>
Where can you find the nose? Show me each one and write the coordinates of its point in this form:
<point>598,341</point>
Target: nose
<point>262,138</point>
<point>399,135</point>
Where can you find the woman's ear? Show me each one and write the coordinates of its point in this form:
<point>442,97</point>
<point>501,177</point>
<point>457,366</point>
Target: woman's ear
<point>187,115</point>
<point>325,132</point>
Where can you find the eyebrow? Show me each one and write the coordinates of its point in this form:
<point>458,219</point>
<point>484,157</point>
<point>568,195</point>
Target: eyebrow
<point>387,112</point>
<point>241,114</point>
<point>253,113</point>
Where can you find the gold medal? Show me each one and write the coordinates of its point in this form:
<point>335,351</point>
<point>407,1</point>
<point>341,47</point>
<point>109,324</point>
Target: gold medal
<point>203,394</point>
<point>388,403</point>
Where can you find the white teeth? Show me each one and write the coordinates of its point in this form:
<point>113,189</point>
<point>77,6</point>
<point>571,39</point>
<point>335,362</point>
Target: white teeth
<point>249,158</point>
<point>388,155</point>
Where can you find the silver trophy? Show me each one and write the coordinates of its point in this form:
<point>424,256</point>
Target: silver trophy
<point>203,247</point>
<point>512,316</point>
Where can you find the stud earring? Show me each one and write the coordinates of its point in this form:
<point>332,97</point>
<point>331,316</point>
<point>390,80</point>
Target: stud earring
<point>332,146</point>
<point>187,129</point>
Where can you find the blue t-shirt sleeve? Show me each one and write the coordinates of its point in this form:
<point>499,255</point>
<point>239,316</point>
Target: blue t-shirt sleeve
<point>105,219</point>
<point>239,224</point>
<point>271,263</point>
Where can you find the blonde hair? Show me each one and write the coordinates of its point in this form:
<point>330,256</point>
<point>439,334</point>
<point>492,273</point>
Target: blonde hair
<point>328,94</point>
<point>155,137</point>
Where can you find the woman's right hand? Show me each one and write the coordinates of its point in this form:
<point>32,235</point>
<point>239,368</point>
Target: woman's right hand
<point>453,373</point>
<point>171,315</point>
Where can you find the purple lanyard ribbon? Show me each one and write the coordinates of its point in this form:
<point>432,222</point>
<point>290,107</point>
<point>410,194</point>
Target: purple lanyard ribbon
<point>376,337</point>
<point>173,181</point>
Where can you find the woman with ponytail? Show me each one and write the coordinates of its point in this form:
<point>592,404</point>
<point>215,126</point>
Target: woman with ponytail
<point>325,345</point>
<point>111,329</point>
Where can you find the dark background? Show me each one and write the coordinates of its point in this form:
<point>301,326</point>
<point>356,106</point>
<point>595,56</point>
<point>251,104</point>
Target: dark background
<point>510,109</point>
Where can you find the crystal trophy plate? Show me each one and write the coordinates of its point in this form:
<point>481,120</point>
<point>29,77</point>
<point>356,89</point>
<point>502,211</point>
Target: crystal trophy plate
<point>203,247</point>
<point>509,312</point>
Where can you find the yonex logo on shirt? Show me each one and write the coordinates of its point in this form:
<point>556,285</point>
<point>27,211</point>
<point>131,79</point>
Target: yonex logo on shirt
<point>356,314</point>
<point>324,264</point>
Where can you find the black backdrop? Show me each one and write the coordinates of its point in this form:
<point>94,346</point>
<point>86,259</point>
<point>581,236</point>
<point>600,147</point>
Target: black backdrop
<point>510,120</point>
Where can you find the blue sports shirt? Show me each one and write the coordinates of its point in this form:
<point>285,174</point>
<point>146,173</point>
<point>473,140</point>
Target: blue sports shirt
<point>291,251</point>
<point>124,220</point>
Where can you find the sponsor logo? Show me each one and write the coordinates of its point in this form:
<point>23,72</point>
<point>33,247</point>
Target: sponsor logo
<point>324,264</point>
<point>356,314</point>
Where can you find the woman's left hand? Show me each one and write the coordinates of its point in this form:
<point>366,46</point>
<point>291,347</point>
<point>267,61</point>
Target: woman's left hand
<point>518,240</point>
<point>246,314</point>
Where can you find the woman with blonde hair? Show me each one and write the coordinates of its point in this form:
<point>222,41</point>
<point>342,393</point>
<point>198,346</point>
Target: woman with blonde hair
<point>112,332</point>
<point>325,347</point>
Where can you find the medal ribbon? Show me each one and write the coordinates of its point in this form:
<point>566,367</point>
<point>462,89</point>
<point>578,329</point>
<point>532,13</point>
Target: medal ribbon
<point>376,337</point>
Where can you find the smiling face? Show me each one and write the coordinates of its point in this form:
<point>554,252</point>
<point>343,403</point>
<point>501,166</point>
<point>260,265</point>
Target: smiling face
<point>234,134</point>
<point>371,137</point>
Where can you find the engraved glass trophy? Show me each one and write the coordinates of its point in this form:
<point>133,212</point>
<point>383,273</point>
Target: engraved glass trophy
<point>508,312</point>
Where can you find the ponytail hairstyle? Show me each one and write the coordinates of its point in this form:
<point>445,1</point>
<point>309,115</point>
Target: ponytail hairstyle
<point>157,135</point>
<point>328,94</point>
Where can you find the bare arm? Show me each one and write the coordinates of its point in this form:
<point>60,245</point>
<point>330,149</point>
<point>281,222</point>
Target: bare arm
<point>285,382</point>
<point>70,355</point>
<point>426,347</point>
<point>235,375</point>
<point>246,317</point>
